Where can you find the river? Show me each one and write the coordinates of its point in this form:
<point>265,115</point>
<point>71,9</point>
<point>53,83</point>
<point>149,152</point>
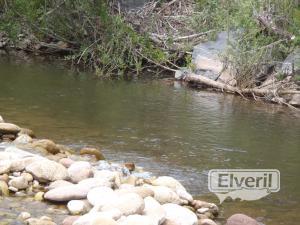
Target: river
<point>165,127</point>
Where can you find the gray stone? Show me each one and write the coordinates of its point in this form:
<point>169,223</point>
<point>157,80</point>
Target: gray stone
<point>291,64</point>
<point>295,101</point>
<point>206,58</point>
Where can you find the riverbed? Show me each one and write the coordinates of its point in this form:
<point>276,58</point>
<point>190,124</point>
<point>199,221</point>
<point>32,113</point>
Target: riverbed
<point>163,126</point>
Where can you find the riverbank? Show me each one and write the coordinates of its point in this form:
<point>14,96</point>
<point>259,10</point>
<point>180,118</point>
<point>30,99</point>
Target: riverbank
<point>91,190</point>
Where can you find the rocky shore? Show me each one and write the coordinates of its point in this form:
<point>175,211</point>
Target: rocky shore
<point>93,190</point>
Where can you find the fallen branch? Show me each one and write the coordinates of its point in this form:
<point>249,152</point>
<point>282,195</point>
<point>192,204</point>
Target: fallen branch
<point>191,77</point>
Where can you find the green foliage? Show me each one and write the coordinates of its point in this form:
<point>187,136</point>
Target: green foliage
<point>254,49</point>
<point>105,41</point>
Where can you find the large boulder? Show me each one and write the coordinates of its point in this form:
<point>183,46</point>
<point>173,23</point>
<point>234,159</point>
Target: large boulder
<point>67,193</point>
<point>291,64</point>
<point>241,219</point>
<point>295,101</point>
<point>79,171</point>
<point>207,61</point>
<point>9,128</point>
<point>47,170</point>
<point>179,215</point>
<point>128,204</point>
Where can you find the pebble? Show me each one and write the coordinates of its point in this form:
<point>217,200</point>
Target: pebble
<point>19,183</point>
<point>70,220</point>
<point>4,190</point>
<point>39,196</point>
<point>206,222</point>
<point>24,216</point>
<point>76,207</point>
<point>66,162</point>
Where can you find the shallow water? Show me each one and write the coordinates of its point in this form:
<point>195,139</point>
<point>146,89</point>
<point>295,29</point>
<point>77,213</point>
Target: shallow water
<point>167,128</point>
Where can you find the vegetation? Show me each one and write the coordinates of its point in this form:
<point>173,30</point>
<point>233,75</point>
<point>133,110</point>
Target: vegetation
<point>102,37</point>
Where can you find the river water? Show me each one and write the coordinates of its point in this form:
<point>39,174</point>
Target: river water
<point>164,127</point>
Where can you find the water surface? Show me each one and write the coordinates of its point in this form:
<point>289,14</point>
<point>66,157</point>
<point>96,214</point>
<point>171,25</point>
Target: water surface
<point>167,128</point>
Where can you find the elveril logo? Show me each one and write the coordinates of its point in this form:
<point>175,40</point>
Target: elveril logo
<point>244,184</point>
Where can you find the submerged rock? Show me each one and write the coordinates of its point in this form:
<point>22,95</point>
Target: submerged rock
<point>47,170</point>
<point>47,145</point>
<point>241,219</point>
<point>70,220</point>
<point>92,151</point>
